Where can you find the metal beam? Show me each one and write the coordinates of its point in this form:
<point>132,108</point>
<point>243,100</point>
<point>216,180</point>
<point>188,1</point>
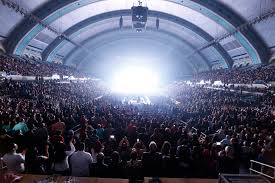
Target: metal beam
<point>81,25</point>
<point>248,38</point>
<point>26,30</point>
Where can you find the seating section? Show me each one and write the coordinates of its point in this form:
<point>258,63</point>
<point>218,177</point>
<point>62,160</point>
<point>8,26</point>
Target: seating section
<point>27,67</point>
<point>246,75</point>
<point>82,129</point>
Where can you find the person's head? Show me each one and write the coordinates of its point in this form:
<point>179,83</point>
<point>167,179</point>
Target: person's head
<point>134,154</point>
<point>58,133</point>
<point>3,132</point>
<point>60,153</point>
<point>41,125</point>
<point>153,146</point>
<point>233,141</point>
<point>167,130</point>
<point>81,147</point>
<point>17,132</point>
<point>12,148</point>
<point>263,151</point>
<point>229,151</point>
<point>245,143</point>
<point>138,145</point>
<point>221,153</point>
<point>70,133</point>
<point>115,157</point>
<point>18,119</point>
<point>182,151</point>
<point>253,145</point>
<point>165,149</point>
<point>89,128</point>
<point>156,131</point>
<point>100,157</point>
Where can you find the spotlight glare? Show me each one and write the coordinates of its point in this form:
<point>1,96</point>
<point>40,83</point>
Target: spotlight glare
<point>135,80</point>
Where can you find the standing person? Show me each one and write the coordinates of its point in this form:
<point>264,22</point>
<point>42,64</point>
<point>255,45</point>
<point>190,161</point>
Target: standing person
<point>15,161</point>
<point>115,168</point>
<point>228,163</point>
<point>60,162</point>
<point>156,137</point>
<point>151,161</point>
<point>58,126</point>
<point>133,165</point>
<point>21,126</point>
<point>100,169</point>
<point>166,158</point>
<point>80,162</point>
<point>184,163</point>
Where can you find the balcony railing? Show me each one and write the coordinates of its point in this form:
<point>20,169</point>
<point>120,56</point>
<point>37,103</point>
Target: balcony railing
<point>262,169</point>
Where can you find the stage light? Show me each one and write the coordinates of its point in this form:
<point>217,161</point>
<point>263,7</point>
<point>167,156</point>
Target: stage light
<point>135,80</point>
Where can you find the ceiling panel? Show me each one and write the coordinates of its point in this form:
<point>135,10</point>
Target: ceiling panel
<point>190,15</point>
<point>9,18</point>
<point>249,9</point>
<point>186,34</point>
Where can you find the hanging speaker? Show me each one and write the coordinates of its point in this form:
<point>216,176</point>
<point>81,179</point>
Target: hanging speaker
<point>139,17</point>
<point>121,22</point>
<point>157,23</point>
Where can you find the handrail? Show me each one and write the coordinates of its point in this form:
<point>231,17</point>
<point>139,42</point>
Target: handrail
<point>262,163</point>
<point>229,178</point>
<point>262,173</point>
<point>263,169</point>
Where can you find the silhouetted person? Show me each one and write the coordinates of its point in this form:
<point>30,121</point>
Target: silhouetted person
<point>151,161</point>
<point>100,169</point>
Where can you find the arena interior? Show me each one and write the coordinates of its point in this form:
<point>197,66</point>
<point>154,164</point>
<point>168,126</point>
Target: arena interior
<point>153,91</point>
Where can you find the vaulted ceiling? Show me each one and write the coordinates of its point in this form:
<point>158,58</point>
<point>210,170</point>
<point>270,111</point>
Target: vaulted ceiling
<point>83,29</point>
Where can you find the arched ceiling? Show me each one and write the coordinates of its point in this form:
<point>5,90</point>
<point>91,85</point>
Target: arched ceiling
<point>161,47</point>
<point>171,24</point>
<point>193,22</point>
<point>109,36</point>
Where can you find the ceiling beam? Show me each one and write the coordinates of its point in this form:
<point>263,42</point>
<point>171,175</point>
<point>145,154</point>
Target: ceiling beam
<point>26,30</point>
<point>52,48</point>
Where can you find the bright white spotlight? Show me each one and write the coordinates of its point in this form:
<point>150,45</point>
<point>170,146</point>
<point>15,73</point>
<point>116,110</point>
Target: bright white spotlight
<point>135,80</point>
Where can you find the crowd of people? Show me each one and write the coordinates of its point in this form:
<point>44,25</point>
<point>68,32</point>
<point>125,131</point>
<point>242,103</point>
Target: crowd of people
<point>116,139</point>
<point>27,67</point>
<point>242,75</point>
<point>83,129</point>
